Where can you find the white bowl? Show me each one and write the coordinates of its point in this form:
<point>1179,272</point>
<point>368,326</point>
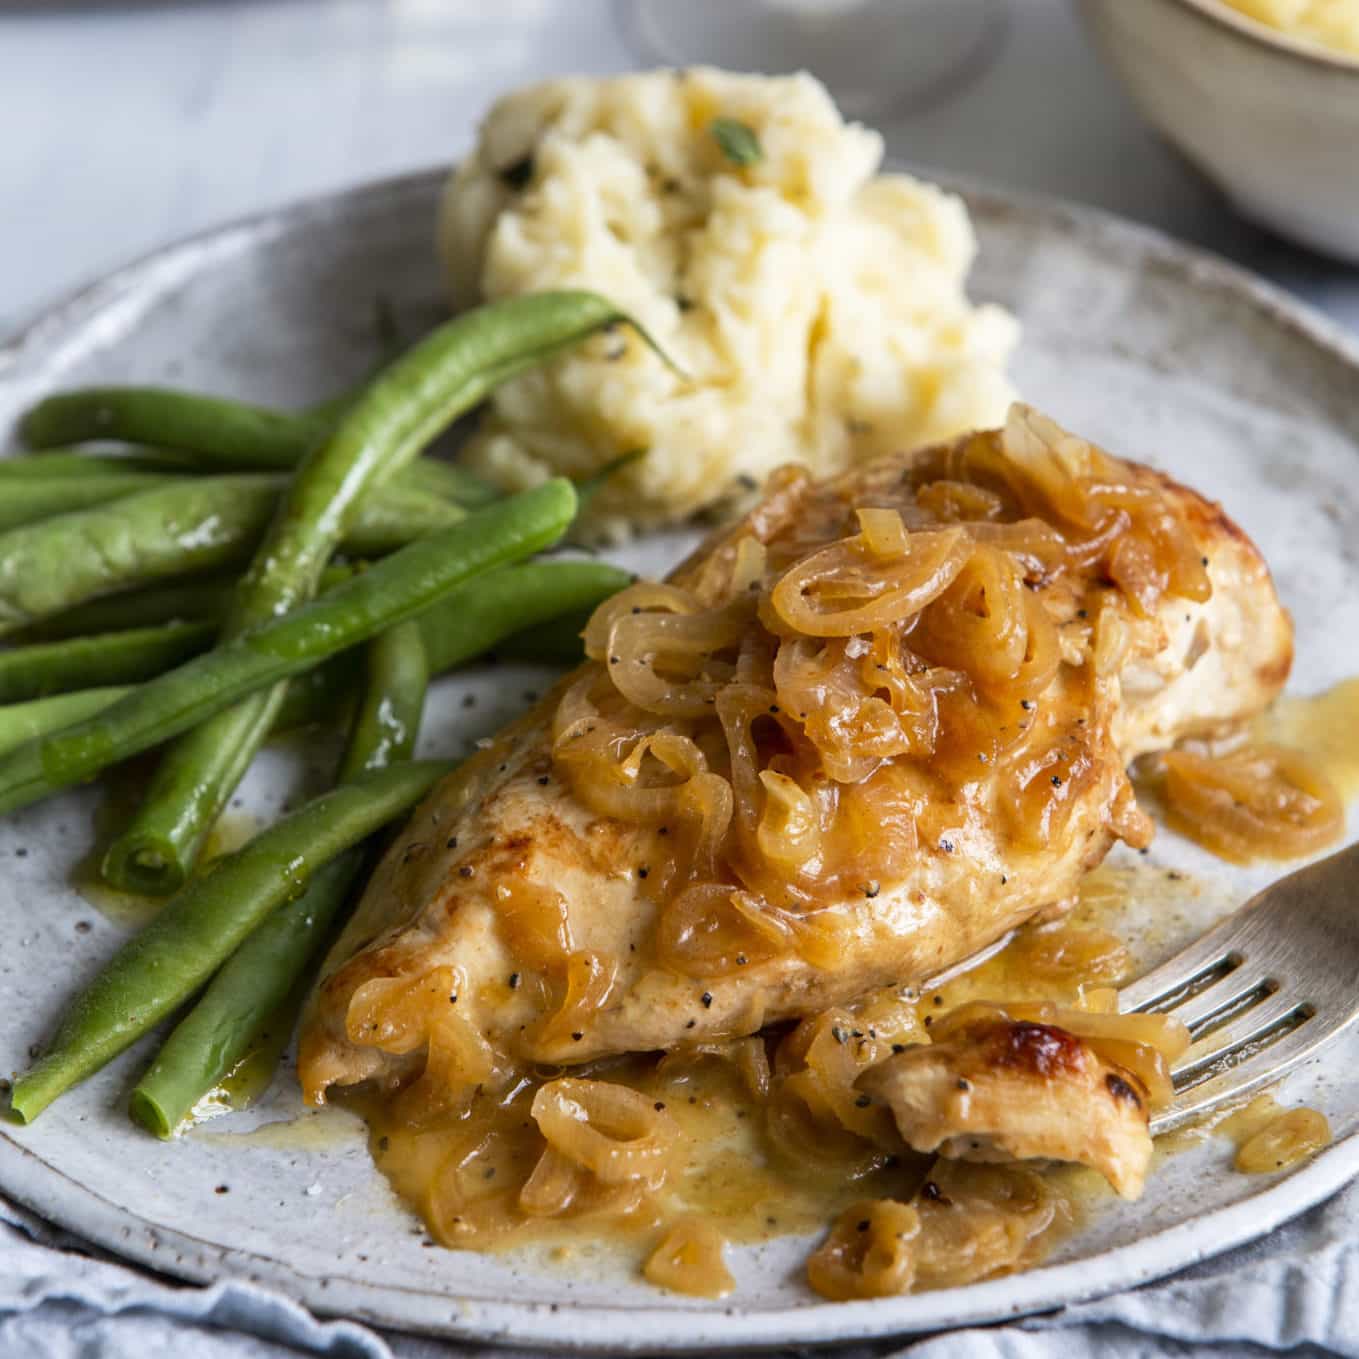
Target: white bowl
<point>1273,120</point>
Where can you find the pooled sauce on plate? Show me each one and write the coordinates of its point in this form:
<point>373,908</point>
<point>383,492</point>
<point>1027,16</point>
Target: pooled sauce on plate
<point>744,1169</point>
<point>751,1166</point>
<point>1324,727</point>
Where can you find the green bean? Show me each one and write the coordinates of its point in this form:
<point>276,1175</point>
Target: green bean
<point>401,411</point>
<point>557,587</point>
<point>21,723</point>
<point>314,697</point>
<point>202,433</point>
<point>28,501</point>
<point>196,601</point>
<point>256,985</point>
<point>522,599</point>
<point>104,659</point>
<point>451,482</point>
<point>534,612</point>
<point>160,968</point>
<point>388,719</point>
<point>64,463</point>
<point>240,434</point>
<point>197,525</point>
<point>403,585</point>
<point>252,989</point>
<point>557,641</point>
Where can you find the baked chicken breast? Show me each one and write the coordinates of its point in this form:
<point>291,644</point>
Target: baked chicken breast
<point>863,733</point>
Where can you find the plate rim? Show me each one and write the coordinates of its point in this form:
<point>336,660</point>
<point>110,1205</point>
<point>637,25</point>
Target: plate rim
<point>50,1192</point>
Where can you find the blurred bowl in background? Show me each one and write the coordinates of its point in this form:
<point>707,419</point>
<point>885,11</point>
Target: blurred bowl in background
<point>1273,120</point>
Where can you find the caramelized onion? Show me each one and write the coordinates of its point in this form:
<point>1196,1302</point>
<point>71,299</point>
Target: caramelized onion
<point>980,622</point>
<point>471,1198</point>
<point>667,664</point>
<point>712,930</point>
<point>1260,801</point>
<point>883,532</point>
<point>843,589</point>
<point>644,596</point>
<point>588,983</point>
<point>560,1187</point>
<point>977,1221</point>
<point>869,1252</point>
<point>1284,1141</point>
<point>616,1133</point>
<point>688,1259</point>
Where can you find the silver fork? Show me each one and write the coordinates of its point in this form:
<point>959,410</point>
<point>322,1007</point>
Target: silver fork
<point>1263,990</point>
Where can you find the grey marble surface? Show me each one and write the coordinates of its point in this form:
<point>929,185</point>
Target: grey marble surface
<point>130,124</point>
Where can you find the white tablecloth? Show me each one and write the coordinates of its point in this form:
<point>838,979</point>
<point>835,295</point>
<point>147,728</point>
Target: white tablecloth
<point>127,125</point>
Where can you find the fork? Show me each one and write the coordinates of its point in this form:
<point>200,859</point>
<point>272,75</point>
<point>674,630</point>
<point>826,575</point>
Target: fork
<point>1263,990</point>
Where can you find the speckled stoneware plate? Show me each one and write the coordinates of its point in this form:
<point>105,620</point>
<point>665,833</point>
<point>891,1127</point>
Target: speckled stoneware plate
<point>1160,353</point>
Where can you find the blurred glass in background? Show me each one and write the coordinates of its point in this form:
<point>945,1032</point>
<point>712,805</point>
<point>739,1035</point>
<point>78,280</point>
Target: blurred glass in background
<point>875,56</point>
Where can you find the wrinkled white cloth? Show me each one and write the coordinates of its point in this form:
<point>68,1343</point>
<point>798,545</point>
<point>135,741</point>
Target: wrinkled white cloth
<point>1296,1292</point>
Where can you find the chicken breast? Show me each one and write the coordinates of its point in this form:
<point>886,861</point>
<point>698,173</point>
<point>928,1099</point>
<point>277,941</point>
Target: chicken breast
<point>1000,1089</point>
<point>865,732</point>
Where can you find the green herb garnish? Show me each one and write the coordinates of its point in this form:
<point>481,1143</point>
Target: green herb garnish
<point>738,141</point>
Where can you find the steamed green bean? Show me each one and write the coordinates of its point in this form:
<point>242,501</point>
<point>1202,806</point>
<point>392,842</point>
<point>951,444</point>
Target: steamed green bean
<point>161,967</point>
<point>410,402</point>
<point>191,526</point>
<point>103,659</point>
<point>533,612</point>
<point>398,588</point>
<point>29,501</point>
<point>241,435</point>
<point>21,723</point>
<point>257,983</point>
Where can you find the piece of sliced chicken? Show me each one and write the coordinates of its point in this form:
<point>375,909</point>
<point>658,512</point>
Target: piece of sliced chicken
<point>513,924</point>
<point>1000,1089</point>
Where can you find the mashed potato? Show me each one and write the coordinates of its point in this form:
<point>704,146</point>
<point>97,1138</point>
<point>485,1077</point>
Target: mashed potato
<point>1332,23</point>
<point>817,308</point>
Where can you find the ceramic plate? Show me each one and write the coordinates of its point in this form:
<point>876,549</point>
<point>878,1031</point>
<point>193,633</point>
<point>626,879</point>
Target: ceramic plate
<point>1159,353</point>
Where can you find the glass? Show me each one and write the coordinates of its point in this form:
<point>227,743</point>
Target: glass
<point>875,56</point>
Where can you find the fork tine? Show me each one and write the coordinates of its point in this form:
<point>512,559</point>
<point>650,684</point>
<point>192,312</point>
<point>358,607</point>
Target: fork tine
<point>1242,1036</point>
<point>1262,1068</point>
<point>1289,956</point>
<point>1244,987</point>
<point>1200,966</point>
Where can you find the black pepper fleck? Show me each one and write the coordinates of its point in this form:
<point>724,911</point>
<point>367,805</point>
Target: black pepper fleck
<point>514,981</point>
<point>707,999</point>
